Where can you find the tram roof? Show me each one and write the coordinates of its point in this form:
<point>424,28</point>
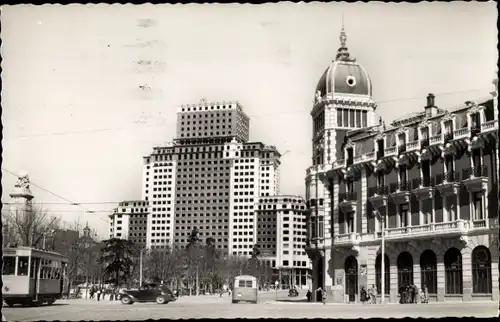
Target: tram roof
<point>30,251</point>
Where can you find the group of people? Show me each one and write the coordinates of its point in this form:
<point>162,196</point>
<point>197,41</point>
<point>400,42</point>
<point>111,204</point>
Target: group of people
<point>369,296</point>
<point>410,293</point>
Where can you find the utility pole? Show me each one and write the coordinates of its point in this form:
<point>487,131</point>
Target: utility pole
<point>140,269</point>
<point>382,273</point>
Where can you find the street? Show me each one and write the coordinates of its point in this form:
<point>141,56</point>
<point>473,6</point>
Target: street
<point>221,307</point>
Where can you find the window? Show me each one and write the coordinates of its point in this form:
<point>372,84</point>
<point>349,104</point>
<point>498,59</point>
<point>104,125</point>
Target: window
<point>22,266</point>
<point>453,271</point>
<point>403,174</point>
<point>9,265</point>
<point>351,118</point>
<point>451,207</point>
<point>476,158</point>
<point>428,271</point>
<point>387,275</point>
<point>449,165</point>
<point>364,118</point>
<point>403,215</point>
<point>380,178</point>
<point>350,222</point>
<point>339,117</point>
<point>358,118</point>
<point>426,211</point>
<point>481,270</point>
<point>405,270</point>
<point>321,227</point>
<point>478,206</point>
<point>346,117</point>
<point>426,173</point>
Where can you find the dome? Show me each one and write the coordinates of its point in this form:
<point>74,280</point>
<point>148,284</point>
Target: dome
<point>344,75</point>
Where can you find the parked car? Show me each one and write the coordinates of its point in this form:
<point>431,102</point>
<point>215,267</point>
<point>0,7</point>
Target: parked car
<point>148,293</point>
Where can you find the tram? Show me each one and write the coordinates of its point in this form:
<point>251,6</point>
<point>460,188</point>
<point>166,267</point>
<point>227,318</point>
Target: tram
<point>33,276</point>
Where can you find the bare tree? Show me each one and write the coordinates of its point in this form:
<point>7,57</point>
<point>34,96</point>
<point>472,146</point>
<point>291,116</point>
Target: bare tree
<point>29,227</point>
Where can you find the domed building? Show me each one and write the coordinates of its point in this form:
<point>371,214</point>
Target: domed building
<point>421,187</point>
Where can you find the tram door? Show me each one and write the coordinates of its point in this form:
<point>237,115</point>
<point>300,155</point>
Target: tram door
<point>351,278</point>
<point>34,277</point>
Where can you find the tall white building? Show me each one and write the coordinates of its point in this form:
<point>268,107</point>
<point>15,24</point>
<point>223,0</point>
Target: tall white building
<point>129,221</point>
<point>281,236</point>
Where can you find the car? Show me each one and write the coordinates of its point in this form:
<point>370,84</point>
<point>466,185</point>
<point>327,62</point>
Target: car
<point>158,293</point>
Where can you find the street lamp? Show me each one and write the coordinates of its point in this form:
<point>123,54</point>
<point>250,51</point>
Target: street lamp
<point>382,264</point>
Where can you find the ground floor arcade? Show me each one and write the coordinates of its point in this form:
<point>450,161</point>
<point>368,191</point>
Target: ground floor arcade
<point>452,269</point>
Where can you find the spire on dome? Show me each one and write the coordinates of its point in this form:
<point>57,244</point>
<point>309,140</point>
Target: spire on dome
<point>343,52</point>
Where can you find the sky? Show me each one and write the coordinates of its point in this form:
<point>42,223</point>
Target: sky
<point>88,90</point>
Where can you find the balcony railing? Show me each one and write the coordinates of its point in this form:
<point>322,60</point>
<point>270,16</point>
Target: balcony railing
<point>448,137</point>
<point>358,158</point>
<point>401,186</point>
<point>436,139</point>
<point>462,133</point>
<point>479,223</point>
<point>450,176</point>
<point>413,145</point>
<point>339,163</point>
<point>379,190</point>
<point>349,196</point>
<point>424,182</point>
<point>391,150</point>
<point>475,172</point>
<point>488,125</point>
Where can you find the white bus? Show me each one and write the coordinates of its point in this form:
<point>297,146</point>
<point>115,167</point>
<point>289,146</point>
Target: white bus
<point>33,276</point>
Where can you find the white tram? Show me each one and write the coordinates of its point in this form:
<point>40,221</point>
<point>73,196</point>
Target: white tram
<point>33,276</point>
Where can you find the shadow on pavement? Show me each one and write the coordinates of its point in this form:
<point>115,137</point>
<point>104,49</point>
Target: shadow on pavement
<point>20,306</point>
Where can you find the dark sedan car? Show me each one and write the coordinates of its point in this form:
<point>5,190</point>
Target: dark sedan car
<point>149,293</point>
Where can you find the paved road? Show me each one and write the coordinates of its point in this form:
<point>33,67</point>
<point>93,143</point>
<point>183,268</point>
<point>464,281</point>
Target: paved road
<point>217,307</point>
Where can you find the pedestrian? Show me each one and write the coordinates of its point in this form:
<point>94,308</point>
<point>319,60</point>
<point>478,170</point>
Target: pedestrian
<point>363,295</point>
<point>401,294</point>
<point>309,295</point>
<point>98,295</point>
<point>373,294</point>
<point>425,295</point>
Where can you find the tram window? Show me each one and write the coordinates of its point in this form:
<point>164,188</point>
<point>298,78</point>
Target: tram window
<point>9,265</point>
<point>33,267</point>
<point>22,266</point>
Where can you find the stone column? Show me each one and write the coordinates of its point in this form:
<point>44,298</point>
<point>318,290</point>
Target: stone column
<point>394,282</point>
<point>440,280</point>
<point>417,274</point>
<point>494,278</point>
<point>467,274</point>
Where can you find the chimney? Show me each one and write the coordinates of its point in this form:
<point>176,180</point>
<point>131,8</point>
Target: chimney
<point>430,109</point>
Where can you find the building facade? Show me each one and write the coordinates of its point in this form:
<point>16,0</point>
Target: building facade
<point>281,237</point>
<point>130,221</point>
<point>208,178</point>
<point>429,182</point>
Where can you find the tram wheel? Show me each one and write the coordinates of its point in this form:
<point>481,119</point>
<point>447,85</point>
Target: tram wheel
<point>50,301</point>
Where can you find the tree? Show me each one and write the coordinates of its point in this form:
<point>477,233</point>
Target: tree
<point>27,228</point>
<point>160,265</point>
<point>117,256</point>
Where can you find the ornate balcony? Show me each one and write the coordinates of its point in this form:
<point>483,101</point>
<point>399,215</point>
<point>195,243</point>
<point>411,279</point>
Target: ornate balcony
<point>489,126</point>
<point>423,188</point>
<point>436,140</point>
<point>412,146</point>
<point>349,240</point>
<point>448,183</point>
<point>462,133</point>
<point>378,196</point>
<point>459,227</point>
<point>366,159</point>
<point>391,151</point>
<point>400,192</point>
<point>347,201</point>
<point>476,179</point>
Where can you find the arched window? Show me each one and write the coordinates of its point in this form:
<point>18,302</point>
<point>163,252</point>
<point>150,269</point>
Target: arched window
<point>428,271</point>
<point>378,274</point>
<point>453,271</point>
<point>351,277</point>
<point>405,269</point>
<point>481,270</point>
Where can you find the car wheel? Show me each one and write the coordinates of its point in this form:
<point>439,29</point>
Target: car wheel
<point>51,301</point>
<point>126,300</point>
<point>9,303</point>
<point>234,301</point>
<point>160,299</point>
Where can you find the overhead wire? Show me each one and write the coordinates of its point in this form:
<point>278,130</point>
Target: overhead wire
<point>251,116</point>
<point>87,211</point>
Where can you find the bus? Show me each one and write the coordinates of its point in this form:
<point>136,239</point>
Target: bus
<point>33,276</point>
<point>245,289</point>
